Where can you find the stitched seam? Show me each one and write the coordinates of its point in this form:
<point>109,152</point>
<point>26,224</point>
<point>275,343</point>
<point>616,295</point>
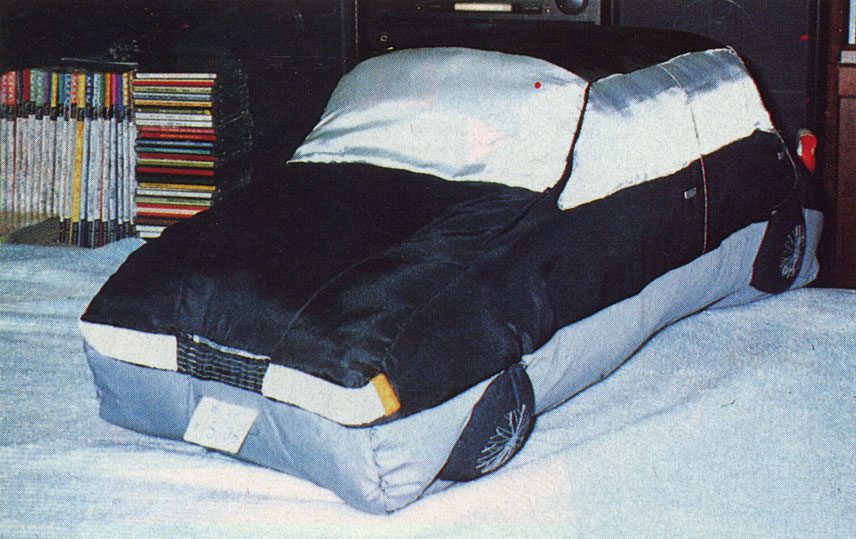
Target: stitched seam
<point>569,166</point>
<point>359,263</point>
<point>465,267</point>
<point>381,478</point>
<point>566,174</point>
<point>465,270</point>
<point>182,287</point>
<point>700,156</point>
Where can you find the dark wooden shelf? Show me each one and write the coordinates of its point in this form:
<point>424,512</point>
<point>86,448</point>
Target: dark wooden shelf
<point>839,153</point>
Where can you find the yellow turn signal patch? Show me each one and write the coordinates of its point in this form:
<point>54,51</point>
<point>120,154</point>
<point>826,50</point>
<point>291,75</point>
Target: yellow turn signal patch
<point>386,394</point>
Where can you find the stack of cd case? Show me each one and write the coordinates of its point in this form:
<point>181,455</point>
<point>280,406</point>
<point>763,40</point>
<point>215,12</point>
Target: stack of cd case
<point>193,140</point>
<point>66,150</point>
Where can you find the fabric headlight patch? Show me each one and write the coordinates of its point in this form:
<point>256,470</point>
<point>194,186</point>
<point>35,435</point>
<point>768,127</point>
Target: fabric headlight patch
<point>459,114</point>
<point>206,360</point>
<point>498,427</point>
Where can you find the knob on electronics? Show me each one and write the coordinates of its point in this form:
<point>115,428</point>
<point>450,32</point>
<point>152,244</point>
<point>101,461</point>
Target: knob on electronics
<point>571,7</point>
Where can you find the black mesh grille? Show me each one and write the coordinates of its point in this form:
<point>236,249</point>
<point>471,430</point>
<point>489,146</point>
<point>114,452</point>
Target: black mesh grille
<point>208,363</point>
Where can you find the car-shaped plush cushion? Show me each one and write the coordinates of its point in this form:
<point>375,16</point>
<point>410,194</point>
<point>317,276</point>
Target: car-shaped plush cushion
<point>467,239</point>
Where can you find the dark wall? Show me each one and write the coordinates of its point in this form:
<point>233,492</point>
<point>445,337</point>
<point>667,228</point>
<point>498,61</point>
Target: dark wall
<point>292,52</point>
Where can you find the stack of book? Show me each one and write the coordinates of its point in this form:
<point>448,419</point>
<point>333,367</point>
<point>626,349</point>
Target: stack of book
<point>193,128</point>
<point>66,151</point>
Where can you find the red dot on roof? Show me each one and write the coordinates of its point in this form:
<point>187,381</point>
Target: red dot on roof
<point>804,37</point>
<point>537,85</point>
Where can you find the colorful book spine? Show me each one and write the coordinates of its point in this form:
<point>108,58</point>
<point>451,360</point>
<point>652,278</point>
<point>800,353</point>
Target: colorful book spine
<point>185,143</point>
<point>63,139</point>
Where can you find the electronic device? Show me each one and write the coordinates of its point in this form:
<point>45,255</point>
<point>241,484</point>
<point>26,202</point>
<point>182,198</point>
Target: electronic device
<point>385,25</point>
<point>576,10</point>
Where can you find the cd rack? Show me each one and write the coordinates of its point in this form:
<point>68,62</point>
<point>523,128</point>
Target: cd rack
<point>66,150</point>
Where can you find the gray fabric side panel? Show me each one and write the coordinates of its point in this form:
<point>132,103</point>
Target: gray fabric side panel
<point>411,451</point>
<point>150,401</point>
<point>581,354</point>
<point>589,350</point>
<point>376,469</point>
<point>808,272</point>
<point>283,437</point>
<point>384,468</point>
<point>305,445</point>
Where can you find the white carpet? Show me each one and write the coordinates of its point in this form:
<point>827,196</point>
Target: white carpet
<point>732,422</point>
